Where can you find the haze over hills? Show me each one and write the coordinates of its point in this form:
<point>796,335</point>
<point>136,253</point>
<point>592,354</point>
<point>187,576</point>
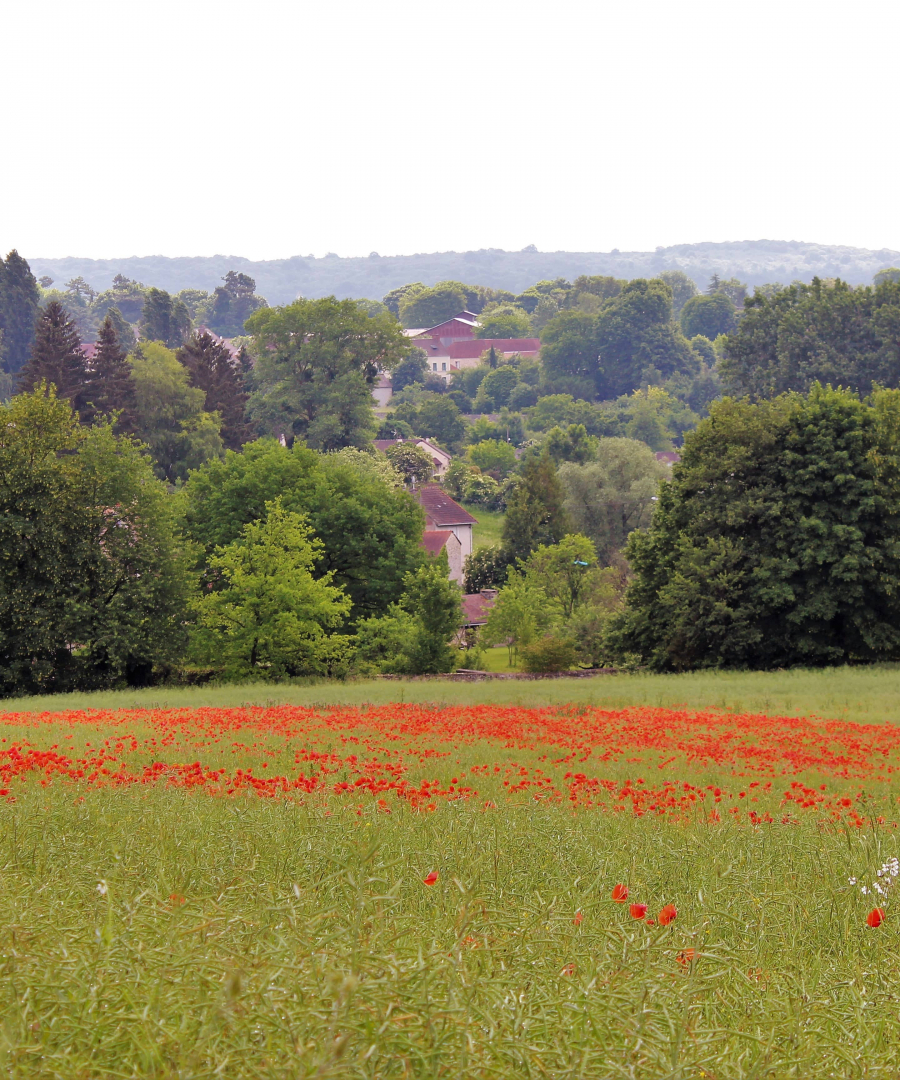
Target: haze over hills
<point>756,262</point>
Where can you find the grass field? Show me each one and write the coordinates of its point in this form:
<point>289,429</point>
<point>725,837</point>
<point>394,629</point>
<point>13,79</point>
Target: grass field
<point>221,890</point>
<point>489,529</point>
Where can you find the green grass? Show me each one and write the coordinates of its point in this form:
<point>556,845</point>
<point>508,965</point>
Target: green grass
<point>864,694</point>
<point>250,937</point>
<point>489,530</point>
<point>158,933</point>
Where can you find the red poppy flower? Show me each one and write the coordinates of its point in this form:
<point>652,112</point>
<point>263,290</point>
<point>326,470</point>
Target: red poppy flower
<point>620,894</point>
<point>667,915</point>
<point>685,957</point>
<point>875,917</point>
<point>578,918</point>
<point>637,911</point>
<point>431,878</point>
<point>569,969</point>
<point>651,922</point>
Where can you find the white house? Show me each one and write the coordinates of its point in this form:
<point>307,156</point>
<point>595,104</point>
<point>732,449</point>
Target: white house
<point>442,513</point>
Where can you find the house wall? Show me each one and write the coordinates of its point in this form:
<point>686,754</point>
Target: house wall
<point>455,559</point>
<point>464,533</point>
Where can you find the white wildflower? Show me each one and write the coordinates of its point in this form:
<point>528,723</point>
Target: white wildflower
<point>101,888</point>
<point>852,880</point>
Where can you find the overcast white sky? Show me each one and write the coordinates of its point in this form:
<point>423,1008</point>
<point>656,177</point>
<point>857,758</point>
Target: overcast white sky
<point>273,129</point>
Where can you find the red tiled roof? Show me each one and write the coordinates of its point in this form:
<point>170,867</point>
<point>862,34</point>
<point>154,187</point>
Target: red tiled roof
<point>467,350</point>
<point>386,444</point>
<point>442,510</point>
<point>476,608</point>
<point>433,540</point>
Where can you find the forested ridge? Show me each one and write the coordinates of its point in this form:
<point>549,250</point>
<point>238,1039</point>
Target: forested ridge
<point>756,262</point>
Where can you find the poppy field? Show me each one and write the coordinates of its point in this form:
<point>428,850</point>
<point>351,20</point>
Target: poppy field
<point>415,890</point>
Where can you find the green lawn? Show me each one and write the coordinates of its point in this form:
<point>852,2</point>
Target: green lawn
<point>489,529</point>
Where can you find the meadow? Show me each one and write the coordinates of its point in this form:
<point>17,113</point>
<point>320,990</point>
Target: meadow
<point>628,876</point>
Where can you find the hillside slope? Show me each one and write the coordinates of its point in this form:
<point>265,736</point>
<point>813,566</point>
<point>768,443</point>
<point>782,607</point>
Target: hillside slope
<point>756,262</point>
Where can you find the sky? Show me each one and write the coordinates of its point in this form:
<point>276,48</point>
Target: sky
<point>275,129</point>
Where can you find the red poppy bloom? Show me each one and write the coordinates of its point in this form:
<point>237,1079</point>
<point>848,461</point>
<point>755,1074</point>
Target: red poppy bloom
<point>637,911</point>
<point>875,917</point>
<point>578,918</point>
<point>685,957</point>
<point>431,878</point>
<point>651,922</point>
<point>667,915</point>
<point>620,894</point>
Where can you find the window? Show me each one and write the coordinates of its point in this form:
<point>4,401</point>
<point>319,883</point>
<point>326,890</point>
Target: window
<point>443,367</point>
<point>434,365</point>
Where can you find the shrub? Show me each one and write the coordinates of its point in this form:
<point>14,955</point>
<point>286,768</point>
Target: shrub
<point>549,654</point>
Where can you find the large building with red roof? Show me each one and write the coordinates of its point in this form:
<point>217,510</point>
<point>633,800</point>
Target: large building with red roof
<point>447,527</point>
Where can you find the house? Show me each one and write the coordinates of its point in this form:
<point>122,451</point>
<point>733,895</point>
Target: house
<point>477,606</point>
<point>382,391</point>
<point>440,457</point>
<point>437,540</point>
<point>668,457</point>
<point>436,340</point>
<point>464,354</point>
<point>442,513</point>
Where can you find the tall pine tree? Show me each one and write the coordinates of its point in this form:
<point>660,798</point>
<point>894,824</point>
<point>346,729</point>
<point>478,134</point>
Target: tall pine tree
<point>535,514</point>
<point>110,387</point>
<point>19,305</point>
<point>211,369</point>
<point>56,356</point>
<point>164,319</point>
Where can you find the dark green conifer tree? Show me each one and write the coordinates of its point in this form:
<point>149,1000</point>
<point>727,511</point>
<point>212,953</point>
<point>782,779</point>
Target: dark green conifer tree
<point>535,514</point>
<point>211,368</point>
<point>165,319</point>
<point>110,387</point>
<point>19,307</point>
<point>56,356</point>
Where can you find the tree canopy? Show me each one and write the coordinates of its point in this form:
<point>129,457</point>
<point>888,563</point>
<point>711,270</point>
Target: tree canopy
<point>317,361</point>
<point>777,540</point>
<point>826,332</point>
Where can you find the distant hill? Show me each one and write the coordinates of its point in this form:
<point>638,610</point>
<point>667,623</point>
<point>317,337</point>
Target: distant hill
<point>757,262</point>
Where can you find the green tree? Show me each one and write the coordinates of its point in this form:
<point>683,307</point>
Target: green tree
<point>395,297</point>
<point>126,295</point>
<point>110,387</point>
<point>20,300</point>
<point>632,332</point>
<point>776,541</point>
<point>428,307</point>
<point>519,616</point>
<point>213,370</point>
<point>92,585</point>
<point>232,304</point>
<point>504,321</point>
<point>264,614</point>
<point>496,388</point>
<point>370,529</point>
<point>565,572</point>
<point>57,358</point>
<point>411,369</point>
<point>683,288</point>
<point>412,462</point>
<point>708,315</point>
<point>606,499</point>
<point>571,444</point>
<point>825,332</point>
<point>414,636</point>
<point>123,328</point>
<point>493,456</point>
<point>439,418</point>
<point>535,514</point>
<point>486,568</point>
<point>892,273</point>
<point>164,319</point>
<point>170,417</point>
<point>318,360</point>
